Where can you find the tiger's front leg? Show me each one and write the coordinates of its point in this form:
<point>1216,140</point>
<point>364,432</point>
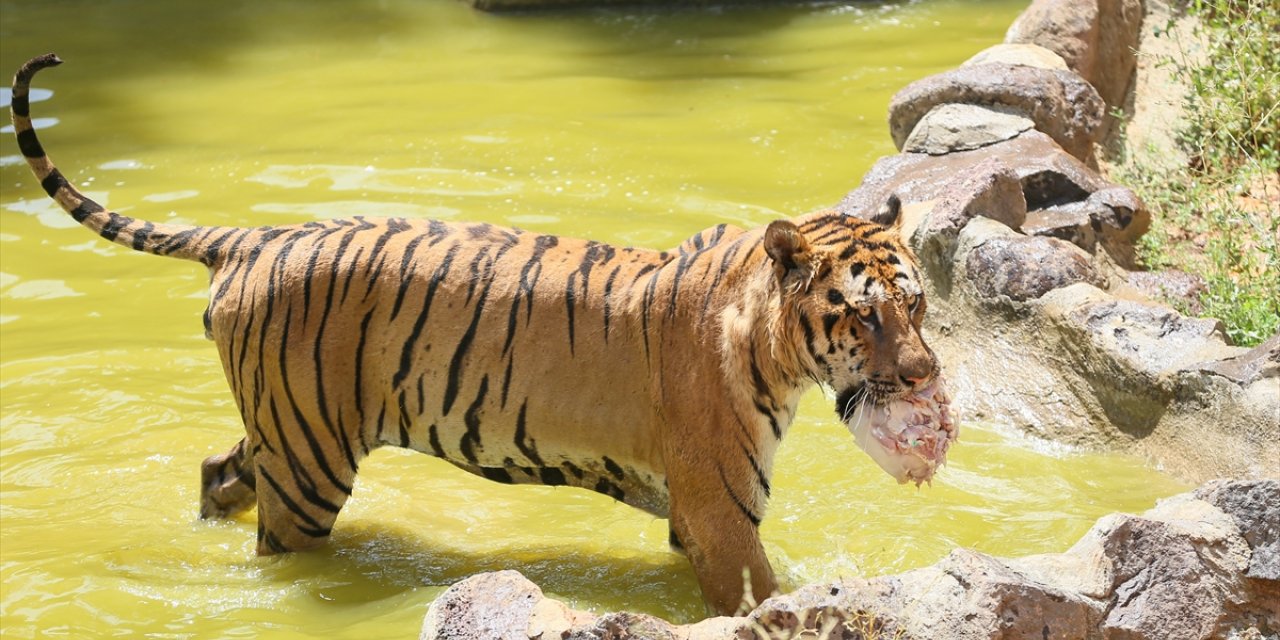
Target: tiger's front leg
<point>227,482</point>
<point>718,533</point>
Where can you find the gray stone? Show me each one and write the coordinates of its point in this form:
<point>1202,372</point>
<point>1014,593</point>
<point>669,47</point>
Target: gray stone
<point>1024,268</point>
<point>1060,103</point>
<point>1114,216</point>
<point>1176,572</point>
<point>989,189</point>
<point>1027,55</point>
<point>961,127</point>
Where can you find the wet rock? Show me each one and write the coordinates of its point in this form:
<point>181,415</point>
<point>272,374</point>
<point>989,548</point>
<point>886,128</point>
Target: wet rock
<point>1027,55</point>
<point>961,127</point>
<point>1179,287</point>
<point>1023,268</point>
<point>1060,103</point>
<point>1096,38</point>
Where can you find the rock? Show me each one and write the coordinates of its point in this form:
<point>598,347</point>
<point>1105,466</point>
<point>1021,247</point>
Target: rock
<point>1070,222</point>
<point>1122,217</point>
<point>1026,267</point>
<point>1096,38</point>
<point>486,606</point>
<point>1114,216</point>
<point>1027,55</point>
<point>1048,175</point>
<point>1255,507</point>
<point>989,189</point>
<point>1179,287</point>
<point>1060,103</point>
<point>1175,572</point>
<point>961,127</point>
<point>1261,362</point>
<point>1065,27</point>
<point>1148,338</point>
<point>1053,182</point>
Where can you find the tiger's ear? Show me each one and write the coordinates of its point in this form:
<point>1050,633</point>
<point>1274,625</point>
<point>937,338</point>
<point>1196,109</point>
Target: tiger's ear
<point>890,214</point>
<point>794,262</point>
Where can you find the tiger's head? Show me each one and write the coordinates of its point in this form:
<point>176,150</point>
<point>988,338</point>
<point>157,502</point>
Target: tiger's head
<point>852,290</point>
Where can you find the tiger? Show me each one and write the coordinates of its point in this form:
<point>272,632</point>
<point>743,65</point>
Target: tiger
<point>663,379</point>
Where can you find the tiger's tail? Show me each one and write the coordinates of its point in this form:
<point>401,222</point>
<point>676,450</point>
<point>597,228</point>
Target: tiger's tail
<point>180,241</point>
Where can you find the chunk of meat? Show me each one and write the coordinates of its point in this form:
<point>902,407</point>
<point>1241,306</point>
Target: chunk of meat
<point>908,438</point>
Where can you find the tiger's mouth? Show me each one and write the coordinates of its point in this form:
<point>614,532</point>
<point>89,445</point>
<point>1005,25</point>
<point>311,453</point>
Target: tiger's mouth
<point>871,394</point>
<point>908,436</point>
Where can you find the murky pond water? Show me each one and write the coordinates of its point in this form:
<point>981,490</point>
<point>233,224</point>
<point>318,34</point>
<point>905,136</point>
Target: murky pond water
<point>630,127</point>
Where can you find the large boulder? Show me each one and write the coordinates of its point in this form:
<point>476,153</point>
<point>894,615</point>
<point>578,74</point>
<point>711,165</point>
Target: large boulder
<point>1097,39</point>
<point>1060,103</point>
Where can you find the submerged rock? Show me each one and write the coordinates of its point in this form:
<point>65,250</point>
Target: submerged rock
<point>1198,566</point>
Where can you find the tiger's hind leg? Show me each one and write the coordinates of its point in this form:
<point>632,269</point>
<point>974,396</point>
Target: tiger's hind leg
<point>227,482</point>
<point>300,492</point>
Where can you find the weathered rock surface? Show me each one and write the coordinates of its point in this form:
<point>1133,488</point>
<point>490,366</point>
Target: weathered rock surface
<point>1026,267</point>
<point>961,127</point>
<point>1199,566</point>
<point>1060,103</point>
<point>1096,38</point>
<point>1027,55</point>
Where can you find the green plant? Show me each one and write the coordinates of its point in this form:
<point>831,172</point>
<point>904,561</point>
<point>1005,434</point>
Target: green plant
<point>1219,215</point>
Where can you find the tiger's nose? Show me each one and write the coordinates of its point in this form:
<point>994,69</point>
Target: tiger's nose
<point>913,382</point>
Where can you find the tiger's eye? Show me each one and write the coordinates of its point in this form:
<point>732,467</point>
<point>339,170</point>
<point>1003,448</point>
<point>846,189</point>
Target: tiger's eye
<point>866,314</point>
<point>912,301</point>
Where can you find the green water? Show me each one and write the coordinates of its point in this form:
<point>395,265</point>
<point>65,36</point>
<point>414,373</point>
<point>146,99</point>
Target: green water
<point>629,127</point>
